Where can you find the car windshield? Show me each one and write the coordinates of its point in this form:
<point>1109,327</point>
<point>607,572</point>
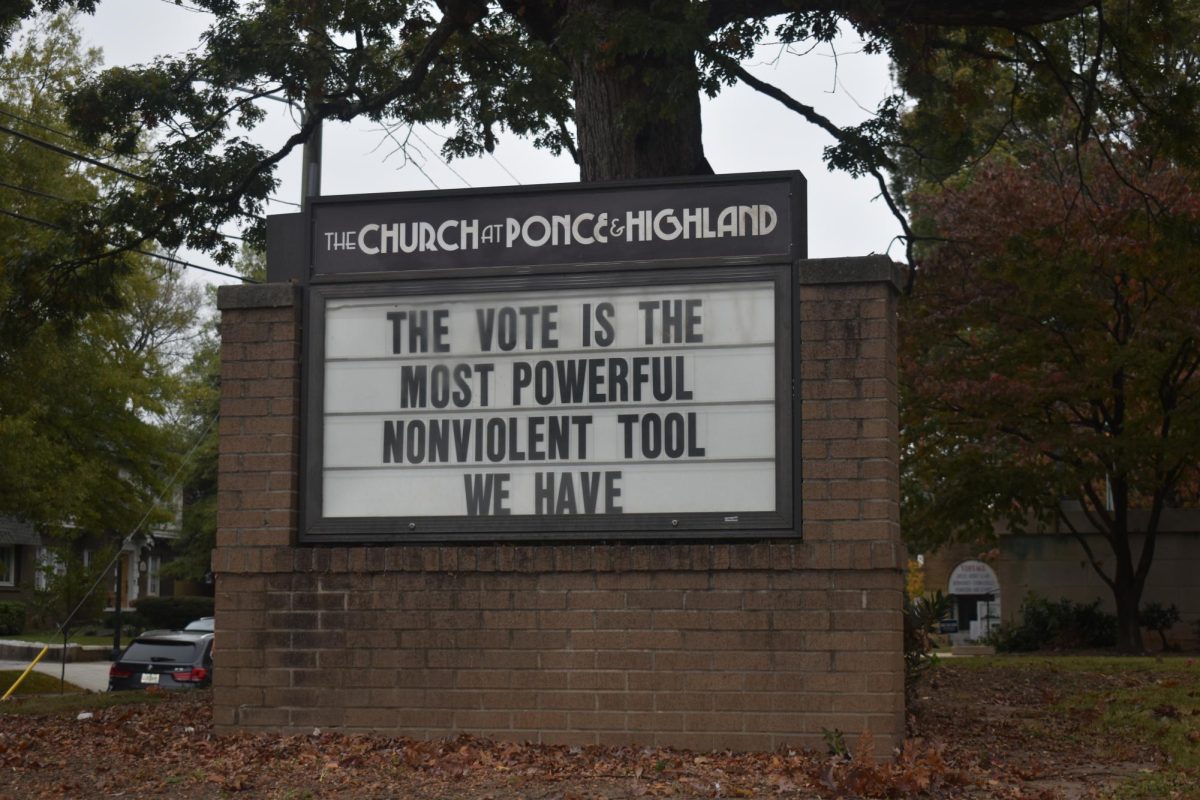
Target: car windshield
<point>200,625</point>
<point>158,651</point>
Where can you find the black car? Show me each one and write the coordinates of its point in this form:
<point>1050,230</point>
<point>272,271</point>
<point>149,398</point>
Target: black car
<point>167,659</point>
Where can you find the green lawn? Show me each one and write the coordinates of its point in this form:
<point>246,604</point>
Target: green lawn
<point>35,683</point>
<point>1164,710</point>
<point>50,637</point>
<point>1110,703</point>
<point>40,694</point>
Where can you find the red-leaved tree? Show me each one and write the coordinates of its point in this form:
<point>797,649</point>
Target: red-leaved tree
<point>1050,358</point>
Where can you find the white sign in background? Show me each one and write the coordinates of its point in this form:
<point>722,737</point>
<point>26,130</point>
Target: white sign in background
<point>622,400</point>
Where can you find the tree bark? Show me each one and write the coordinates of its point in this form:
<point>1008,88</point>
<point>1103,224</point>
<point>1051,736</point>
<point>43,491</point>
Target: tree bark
<point>1129,631</point>
<point>637,114</point>
<point>637,106</point>
<point>627,129</point>
<point>1127,594</point>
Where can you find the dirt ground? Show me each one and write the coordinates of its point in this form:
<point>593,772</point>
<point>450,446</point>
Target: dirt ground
<point>977,731</point>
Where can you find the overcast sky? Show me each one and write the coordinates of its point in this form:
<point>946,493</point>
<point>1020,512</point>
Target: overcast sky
<point>743,131</point>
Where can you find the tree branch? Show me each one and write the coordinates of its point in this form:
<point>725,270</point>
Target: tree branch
<point>997,13</point>
<point>449,25</point>
<point>824,123</point>
<point>1087,549</point>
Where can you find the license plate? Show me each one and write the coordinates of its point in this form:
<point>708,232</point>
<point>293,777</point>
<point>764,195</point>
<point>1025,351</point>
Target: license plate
<point>149,677</point>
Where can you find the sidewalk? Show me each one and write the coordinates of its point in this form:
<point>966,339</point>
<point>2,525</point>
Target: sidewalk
<point>90,675</point>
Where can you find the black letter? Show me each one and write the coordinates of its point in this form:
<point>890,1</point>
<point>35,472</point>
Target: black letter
<point>543,493</point>
<point>647,308</point>
<point>626,421</point>
<point>549,326</point>
<point>462,378</point>
<point>413,385</point>
<point>605,336</point>
<point>397,320</point>
<point>484,371</point>
<point>393,442</point>
<point>440,329</point>
<point>486,317</point>
<point>693,336</point>
<point>522,375</point>
<point>612,492</point>
<point>479,493</point>
<point>439,386</point>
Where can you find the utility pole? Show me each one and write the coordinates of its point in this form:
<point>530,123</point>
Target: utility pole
<point>310,179</point>
<point>116,649</point>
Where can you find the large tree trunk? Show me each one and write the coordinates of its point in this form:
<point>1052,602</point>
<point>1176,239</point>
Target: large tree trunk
<point>1127,592</point>
<point>628,129</point>
<point>1127,579</point>
<point>637,94</point>
<point>637,114</point>
<point>1129,631</point>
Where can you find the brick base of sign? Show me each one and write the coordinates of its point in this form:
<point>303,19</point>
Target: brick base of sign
<point>746,646</point>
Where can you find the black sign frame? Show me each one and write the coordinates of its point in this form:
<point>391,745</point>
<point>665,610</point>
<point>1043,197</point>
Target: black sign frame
<point>776,264</point>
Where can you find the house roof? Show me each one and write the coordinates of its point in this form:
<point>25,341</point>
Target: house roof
<point>14,531</point>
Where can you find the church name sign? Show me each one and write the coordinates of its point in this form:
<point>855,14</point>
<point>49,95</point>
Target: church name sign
<point>559,363</point>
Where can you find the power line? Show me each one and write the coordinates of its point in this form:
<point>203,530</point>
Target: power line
<point>71,154</point>
<point>55,131</point>
<point>514,177</point>
<point>187,458</point>
<point>445,163</point>
<point>80,157</point>
<point>38,193</point>
<point>190,265</point>
<point>186,7</point>
<point>169,259</point>
<point>32,220</point>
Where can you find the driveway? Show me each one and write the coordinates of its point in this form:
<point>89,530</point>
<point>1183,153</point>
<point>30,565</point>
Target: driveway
<point>90,675</point>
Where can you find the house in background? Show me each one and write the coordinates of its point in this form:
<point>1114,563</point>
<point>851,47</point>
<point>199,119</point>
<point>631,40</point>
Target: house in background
<point>19,544</point>
<point>24,553</point>
<point>989,588</point>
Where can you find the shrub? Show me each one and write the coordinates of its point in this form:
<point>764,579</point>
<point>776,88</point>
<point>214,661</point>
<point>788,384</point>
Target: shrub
<point>1159,618</point>
<point>1056,625</point>
<point>172,612</point>
<point>921,614</point>
<point>130,620</point>
<point>12,618</point>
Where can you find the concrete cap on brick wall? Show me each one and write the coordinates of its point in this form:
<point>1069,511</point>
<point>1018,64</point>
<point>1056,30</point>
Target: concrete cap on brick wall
<point>853,269</point>
<point>258,295</point>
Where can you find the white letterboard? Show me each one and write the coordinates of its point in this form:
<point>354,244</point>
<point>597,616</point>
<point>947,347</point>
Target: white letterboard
<point>654,399</point>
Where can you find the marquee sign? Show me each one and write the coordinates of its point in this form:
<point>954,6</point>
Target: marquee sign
<point>568,225</point>
<point>651,397</point>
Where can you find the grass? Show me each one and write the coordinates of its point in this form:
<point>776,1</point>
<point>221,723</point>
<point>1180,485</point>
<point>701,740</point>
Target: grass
<point>1140,700</point>
<point>39,694</point>
<point>1165,712</point>
<point>1083,663</point>
<point>51,638</point>
<point>71,704</point>
<point>35,683</point>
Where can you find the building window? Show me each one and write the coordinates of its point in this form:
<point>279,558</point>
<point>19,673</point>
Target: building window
<point>47,562</point>
<point>8,564</point>
<point>153,564</point>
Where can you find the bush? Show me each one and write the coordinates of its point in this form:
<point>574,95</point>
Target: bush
<point>1061,625</point>
<point>1160,619</point>
<point>12,618</point>
<point>921,614</point>
<point>130,620</point>
<point>172,612</point>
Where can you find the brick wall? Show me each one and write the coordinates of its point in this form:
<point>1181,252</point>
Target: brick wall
<point>745,646</point>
